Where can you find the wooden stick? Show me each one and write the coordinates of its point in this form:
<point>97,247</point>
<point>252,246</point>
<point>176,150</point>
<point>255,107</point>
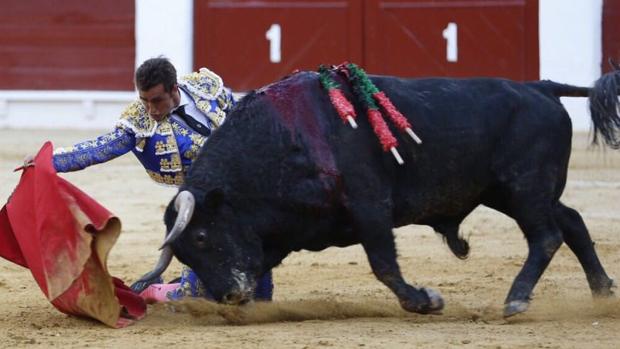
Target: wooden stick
<point>397,156</point>
<point>351,121</point>
<point>413,135</point>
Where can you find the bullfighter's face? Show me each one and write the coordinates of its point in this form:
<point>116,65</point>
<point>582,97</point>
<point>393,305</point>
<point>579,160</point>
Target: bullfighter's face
<point>158,102</point>
<point>225,254</point>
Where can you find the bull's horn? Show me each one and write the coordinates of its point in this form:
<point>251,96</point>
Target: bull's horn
<point>162,264</point>
<point>184,204</point>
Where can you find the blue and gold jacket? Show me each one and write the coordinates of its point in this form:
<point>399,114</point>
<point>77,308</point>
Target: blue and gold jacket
<point>166,148</point>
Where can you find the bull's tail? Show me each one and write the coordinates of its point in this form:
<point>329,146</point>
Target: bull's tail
<point>605,109</point>
<point>604,104</point>
<point>560,90</point>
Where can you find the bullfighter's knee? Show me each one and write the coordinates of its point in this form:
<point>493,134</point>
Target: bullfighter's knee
<point>264,288</point>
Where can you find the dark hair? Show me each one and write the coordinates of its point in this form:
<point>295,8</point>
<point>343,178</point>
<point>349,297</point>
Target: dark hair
<point>155,71</point>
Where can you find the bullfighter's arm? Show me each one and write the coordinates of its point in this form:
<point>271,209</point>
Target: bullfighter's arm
<point>101,149</point>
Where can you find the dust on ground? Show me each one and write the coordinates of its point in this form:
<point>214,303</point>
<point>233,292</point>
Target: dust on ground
<point>330,298</point>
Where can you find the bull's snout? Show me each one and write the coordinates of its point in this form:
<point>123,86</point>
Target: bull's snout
<point>237,297</point>
<point>242,291</point>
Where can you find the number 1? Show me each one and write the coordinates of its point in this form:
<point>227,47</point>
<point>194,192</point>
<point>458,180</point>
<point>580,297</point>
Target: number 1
<point>274,35</point>
<point>451,36</point>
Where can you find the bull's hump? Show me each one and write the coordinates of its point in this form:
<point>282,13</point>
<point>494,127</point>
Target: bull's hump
<point>295,102</point>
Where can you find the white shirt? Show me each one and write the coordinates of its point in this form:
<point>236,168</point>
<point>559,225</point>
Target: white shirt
<point>190,109</point>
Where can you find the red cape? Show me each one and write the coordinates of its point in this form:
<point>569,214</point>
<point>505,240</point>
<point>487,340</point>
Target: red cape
<point>63,236</point>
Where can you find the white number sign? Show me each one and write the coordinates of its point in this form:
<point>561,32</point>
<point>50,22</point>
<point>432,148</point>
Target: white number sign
<point>450,33</point>
<point>274,35</point>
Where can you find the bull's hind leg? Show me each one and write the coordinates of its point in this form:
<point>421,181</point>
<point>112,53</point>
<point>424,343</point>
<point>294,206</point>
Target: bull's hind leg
<point>544,238</point>
<point>449,229</point>
<point>578,240</point>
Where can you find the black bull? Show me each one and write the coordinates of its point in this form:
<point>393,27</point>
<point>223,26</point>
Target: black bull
<point>284,173</point>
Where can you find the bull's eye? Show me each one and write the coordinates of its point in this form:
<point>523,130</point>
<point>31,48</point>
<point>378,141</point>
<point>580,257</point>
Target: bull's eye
<point>201,238</point>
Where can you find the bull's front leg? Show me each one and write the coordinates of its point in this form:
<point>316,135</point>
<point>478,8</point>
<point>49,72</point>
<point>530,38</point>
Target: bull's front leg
<point>381,251</point>
<point>272,257</point>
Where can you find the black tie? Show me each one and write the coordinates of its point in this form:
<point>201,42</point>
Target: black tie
<point>192,123</point>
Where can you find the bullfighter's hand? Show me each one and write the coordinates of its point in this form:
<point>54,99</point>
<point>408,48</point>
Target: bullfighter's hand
<point>28,161</point>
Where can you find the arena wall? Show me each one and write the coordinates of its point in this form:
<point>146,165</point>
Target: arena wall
<point>570,52</point>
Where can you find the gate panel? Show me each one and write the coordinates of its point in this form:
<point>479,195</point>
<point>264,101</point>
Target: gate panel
<point>453,38</point>
<point>252,43</point>
<point>611,35</point>
<point>69,44</point>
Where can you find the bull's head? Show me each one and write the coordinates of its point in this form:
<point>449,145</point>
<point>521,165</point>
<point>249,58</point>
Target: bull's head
<point>210,239</point>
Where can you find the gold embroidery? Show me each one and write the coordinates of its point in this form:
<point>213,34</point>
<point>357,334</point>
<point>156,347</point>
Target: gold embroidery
<point>160,148</point>
<point>192,77</point>
<point>206,81</point>
<point>100,145</point>
<point>174,165</point>
<point>223,102</point>
<point>217,116</point>
<point>164,165</point>
<point>166,148</point>
<point>197,139</point>
<point>175,161</point>
<point>175,179</point>
<point>164,128</point>
<point>170,165</point>
<point>135,118</point>
<point>203,105</point>
<point>192,153</point>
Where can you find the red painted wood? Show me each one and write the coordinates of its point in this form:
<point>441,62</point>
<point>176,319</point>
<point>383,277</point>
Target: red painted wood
<point>69,44</point>
<point>611,34</point>
<point>495,38</point>
<point>229,37</point>
<point>394,37</point>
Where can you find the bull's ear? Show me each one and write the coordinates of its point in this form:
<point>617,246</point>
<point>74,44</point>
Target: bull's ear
<point>213,199</point>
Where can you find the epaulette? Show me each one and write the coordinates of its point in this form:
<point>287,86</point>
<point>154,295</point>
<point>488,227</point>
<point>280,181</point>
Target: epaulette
<point>135,119</point>
<point>203,83</point>
<point>205,87</point>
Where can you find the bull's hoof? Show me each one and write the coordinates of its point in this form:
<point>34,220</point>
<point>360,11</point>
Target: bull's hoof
<point>436,301</point>
<point>606,292</point>
<point>432,304</point>
<point>515,307</point>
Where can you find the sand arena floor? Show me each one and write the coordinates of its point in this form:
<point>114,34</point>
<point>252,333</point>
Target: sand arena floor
<point>331,298</point>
